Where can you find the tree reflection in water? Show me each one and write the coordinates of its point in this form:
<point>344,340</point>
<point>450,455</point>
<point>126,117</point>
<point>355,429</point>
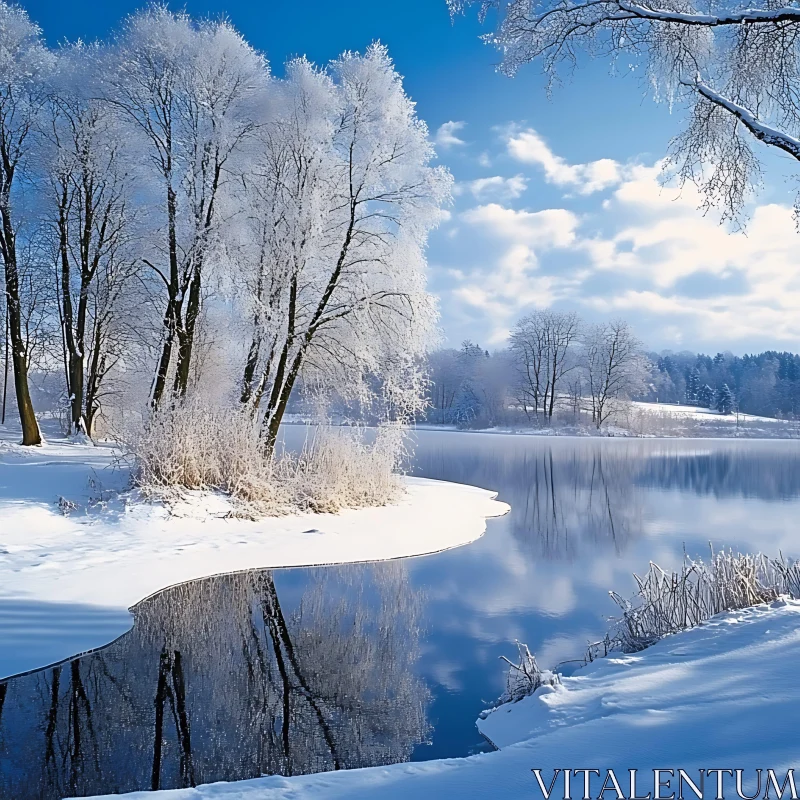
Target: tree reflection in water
<point>223,679</point>
<point>571,497</point>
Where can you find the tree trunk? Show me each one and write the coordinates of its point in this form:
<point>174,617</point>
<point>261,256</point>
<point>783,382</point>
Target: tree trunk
<point>19,358</point>
<point>97,369</point>
<point>186,336</point>
<point>19,355</point>
<point>250,367</point>
<point>5,368</point>
<point>172,313</point>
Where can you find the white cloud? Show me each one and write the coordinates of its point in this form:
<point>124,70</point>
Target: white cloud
<point>644,251</point>
<point>496,186</point>
<point>529,147</point>
<point>513,282</point>
<point>446,135</point>
<point>553,227</point>
<point>661,239</point>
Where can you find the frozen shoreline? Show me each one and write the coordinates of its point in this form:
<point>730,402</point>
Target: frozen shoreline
<point>75,554</point>
<point>640,711</point>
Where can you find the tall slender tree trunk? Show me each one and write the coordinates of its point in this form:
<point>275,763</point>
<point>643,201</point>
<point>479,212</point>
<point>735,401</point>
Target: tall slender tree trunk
<point>19,358</point>
<point>172,313</point>
<point>5,367</point>
<point>19,354</point>
<point>186,336</point>
<point>97,368</point>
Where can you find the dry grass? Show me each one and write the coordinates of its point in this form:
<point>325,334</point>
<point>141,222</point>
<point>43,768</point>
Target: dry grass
<point>195,446</point>
<point>525,677</point>
<point>667,602</point>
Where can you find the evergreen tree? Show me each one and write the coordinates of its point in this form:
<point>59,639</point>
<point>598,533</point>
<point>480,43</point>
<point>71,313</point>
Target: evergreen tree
<point>705,397</point>
<point>724,399</point>
<point>693,387</point>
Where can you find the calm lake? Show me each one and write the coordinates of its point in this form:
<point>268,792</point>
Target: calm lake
<point>293,671</point>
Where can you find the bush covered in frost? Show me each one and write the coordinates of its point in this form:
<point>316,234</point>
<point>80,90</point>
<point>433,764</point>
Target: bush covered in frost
<point>199,446</point>
<point>667,602</point>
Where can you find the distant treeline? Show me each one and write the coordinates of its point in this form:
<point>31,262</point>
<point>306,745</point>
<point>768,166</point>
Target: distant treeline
<point>472,386</point>
<point>766,383</point>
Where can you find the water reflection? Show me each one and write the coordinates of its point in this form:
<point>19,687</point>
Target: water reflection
<point>567,494</point>
<point>226,678</point>
<point>304,670</point>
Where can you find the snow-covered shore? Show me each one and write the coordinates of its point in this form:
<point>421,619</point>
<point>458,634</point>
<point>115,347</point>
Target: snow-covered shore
<point>714,697</point>
<point>75,554</point>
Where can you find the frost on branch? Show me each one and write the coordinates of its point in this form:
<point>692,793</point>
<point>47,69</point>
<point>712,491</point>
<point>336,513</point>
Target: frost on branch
<point>735,68</point>
<point>667,602</point>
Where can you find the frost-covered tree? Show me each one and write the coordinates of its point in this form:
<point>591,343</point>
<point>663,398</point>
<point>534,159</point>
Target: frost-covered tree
<point>445,375</point>
<point>193,95</point>
<point>542,345</point>
<point>347,195</point>
<point>615,366</point>
<point>89,219</point>
<point>735,66</point>
<point>24,66</point>
<point>693,386</point>
<point>705,397</point>
<point>724,401</point>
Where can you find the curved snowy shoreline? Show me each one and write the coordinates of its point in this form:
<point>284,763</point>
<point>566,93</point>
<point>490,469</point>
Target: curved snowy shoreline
<point>692,701</point>
<point>68,575</point>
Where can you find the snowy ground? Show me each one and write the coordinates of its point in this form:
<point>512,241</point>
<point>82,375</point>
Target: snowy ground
<point>699,413</point>
<point>717,696</point>
<point>75,554</point>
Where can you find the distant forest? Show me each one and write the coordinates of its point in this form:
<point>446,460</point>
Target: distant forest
<point>766,383</point>
<point>472,386</point>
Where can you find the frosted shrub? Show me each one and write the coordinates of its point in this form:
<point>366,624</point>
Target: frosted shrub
<point>525,677</point>
<point>339,469</point>
<point>197,446</point>
<point>668,602</point>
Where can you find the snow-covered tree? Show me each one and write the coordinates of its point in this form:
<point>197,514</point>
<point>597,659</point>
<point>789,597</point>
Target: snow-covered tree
<point>193,95</point>
<point>724,401</point>
<point>542,343</point>
<point>734,65</point>
<point>89,219</point>
<point>24,66</point>
<point>346,196</point>
<point>693,387</point>
<point>705,397</point>
<point>615,366</point>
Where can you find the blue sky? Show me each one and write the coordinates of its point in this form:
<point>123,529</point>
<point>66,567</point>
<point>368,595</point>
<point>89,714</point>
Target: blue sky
<point>558,201</point>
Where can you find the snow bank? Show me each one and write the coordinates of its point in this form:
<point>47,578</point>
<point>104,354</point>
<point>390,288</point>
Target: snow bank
<point>699,413</point>
<point>716,696</point>
<point>75,555</point>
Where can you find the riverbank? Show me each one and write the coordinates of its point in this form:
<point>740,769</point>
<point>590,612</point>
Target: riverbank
<point>650,424</point>
<point>78,548</point>
<point>693,701</point>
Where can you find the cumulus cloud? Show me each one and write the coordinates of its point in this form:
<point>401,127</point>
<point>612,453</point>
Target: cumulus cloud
<point>662,239</point>
<point>496,186</point>
<point>552,227</point>
<point>643,251</point>
<point>513,282</point>
<point>446,134</point>
<point>529,147</point>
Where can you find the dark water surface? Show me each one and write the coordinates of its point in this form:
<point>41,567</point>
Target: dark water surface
<point>293,671</point>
